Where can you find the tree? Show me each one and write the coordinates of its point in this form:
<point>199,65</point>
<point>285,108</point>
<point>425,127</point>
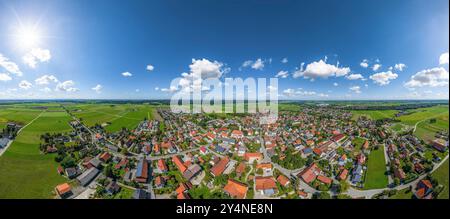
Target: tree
<point>343,186</point>
<point>322,195</point>
<point>67,162</point>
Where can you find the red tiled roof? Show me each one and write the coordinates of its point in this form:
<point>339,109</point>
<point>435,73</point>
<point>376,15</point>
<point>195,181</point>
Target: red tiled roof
<point>63,188</point>
<point>218,169</point>
<point>247,156</point>
<point>179,164</point>
<point>343,174</point>
<point>310,173</point>
<point>324,179</point>
<point>236,189</point>
<point>263,183</point>
<point>283,180</point>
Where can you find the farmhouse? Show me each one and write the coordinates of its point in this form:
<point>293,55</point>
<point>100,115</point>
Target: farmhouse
<point>63,190</point>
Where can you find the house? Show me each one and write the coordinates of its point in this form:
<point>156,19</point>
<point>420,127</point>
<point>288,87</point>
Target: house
<point>237,134</point>
<point>235,189</point>
<point>72,172</point>
<point>337,138</point>
<point>283,180</point>
<point>95,162</point>
<point>182,191</point>
<point>122,163</point>
<point>105,157</point>
<point>87,176</point>
<point>160,182</point>
<point>264,166</point>
<point>142,171</point>
<point>398,172</point>
<point>240,169</point>
<point>141,194</point>
<point>112,188</point>
<point>343,175</point>
<point>4,142</point>
<point>63,190</point>
<point>265,185</point>
<point>252,157</point>
<point>361,158</point>
<point>162,166</point>
<point>310,174</point>
<point>324,179</point>
<point>192,171</point>
<point>203,150</point>
<point>357,174</point>
<point>218,168</point>
<point>179,163</point>
<point>440,144</point>
<point>424,187</point>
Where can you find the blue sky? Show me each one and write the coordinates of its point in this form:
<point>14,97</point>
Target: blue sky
<point>64,49</point>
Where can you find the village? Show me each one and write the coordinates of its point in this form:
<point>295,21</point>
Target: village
<point>316,153</point>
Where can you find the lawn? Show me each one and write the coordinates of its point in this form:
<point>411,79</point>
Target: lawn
<point>376,169</point>
<point>441,174</point>
<point>374,114</point>
<point>26,173</point>
<point>403,194</point>
<point>125,193</point>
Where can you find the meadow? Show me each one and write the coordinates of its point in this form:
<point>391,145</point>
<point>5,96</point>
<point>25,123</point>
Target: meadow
<point>374,114</point>
<point>376,169</point>
<point>441,174</point>
<point>25,171</point>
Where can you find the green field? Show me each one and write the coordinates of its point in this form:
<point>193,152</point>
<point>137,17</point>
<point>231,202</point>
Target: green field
<point>19,115</point>
<point>25,172</point>
<point>376,168</point>
<point>374,114</point>
<point>118,115</point>
<point>441,174</point>
<point>425,129</point>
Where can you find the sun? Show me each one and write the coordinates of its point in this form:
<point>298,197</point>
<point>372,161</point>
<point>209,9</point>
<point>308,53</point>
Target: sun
<point>28,36</point>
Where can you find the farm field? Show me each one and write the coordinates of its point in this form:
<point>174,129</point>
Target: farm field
<point>425,128</point>
<point>19,115</point>
<point>375,177</point>
<point>441,174</point>
<point>26,173</point>
<point>116,116</point>
<point>374,114</point>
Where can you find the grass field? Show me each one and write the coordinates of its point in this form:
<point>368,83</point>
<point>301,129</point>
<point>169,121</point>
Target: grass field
<point>376,168</point>
<point>441,174</point>
<point>403,194</point>
<point>374,114</point>
<point>25,172</point>
<point>119,115</point>
<point>19,115</point>
<point>425,129</point>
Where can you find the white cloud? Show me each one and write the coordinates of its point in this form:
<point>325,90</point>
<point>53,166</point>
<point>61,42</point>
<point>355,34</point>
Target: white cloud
<point>98,88</point>
<point>399,66</point>
<point>435,77</point>
<point>11,67</point>
<point>282,74</point>
<point>46,90</point>
<point>257,64</point>
<point>356,89</point>
<point>301,93</point>
<point>335,84</point>
<point>157,88</point>
<point>170,90</point>
<point>443,59</point>
<point>376,67</point>
<point>25,85</point>
<point>67,86</point>
<point>383,78</point>
<point>5,77</point>
<point>46,79</point>
<point>271,88</point>
<point>127,74</point>
<point>355,77</point>
<point>364,63</point>
<point>150,68</point>
<point>321,69</point>
<point>284,60</point>
<point>36,55</point>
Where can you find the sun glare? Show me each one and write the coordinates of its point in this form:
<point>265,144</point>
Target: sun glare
<point>28,37</point>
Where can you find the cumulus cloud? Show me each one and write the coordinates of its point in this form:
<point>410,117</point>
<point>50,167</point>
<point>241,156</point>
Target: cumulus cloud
<point>5,77</point>
<point>67,86</point>
<point>301,93</point>
<point>282,74</point>
<point>443,59</point>
<point>356,89</point>
<point>170,89</point>
<point>399,66</point>
<point>150,68</point>
<point>9,66</point>
<point>46,79</point>
<point>376,67</point>
<point>335,84</point>
<point>284,60</point>
<point>355,77</point>
<point>157,88</point>
<point>364,63</point>
<point>321,69</point>
<point>383,78</point>
<point>25,85</point>
<point>36,55</point>
<point>435,77</point>
<point>127,74</point>
<point>257,64</point>
<point>98,88</point>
